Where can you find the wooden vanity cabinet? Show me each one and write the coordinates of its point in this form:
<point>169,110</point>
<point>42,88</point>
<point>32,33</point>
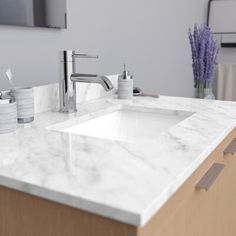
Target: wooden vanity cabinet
<point>196,212</point>
<point>189,212</point>
<point>226,204</point>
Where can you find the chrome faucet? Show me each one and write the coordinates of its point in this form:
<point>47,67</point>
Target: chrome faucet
<point>69,78</point>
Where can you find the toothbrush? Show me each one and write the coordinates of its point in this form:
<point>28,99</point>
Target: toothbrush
<point>9,76</point>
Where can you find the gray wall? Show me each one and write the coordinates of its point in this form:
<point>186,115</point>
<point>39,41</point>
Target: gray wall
<point>149,35</point>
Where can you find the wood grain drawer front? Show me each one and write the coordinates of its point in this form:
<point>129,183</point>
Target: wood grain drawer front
<point>228,147</point>
<point>231,148</point>
<point>227,199</point>
<point>190,210</point>
<point>25,215</point>
<point>195,212</point>
<point>226,205</point>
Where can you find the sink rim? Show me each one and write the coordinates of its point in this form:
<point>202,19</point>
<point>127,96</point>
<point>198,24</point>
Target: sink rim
<point>87,116</point>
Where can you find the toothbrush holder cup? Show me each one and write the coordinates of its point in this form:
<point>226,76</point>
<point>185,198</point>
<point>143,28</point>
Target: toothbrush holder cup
<point>8,117</point>
<point>25,104</point>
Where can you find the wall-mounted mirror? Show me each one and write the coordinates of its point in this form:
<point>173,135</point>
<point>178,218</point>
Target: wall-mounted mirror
<point>221,16</point>
<point>33,13</point>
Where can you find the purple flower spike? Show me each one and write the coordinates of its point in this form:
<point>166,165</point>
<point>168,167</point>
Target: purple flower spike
<point>204,54</point>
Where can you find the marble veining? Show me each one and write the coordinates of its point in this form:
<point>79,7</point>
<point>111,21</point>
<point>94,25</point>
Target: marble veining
<point>123,181</point>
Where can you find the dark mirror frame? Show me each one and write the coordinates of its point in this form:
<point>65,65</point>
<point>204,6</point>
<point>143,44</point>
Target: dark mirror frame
<point>34,13</point>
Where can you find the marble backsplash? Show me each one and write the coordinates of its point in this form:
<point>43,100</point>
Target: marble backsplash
<point>46,97</point>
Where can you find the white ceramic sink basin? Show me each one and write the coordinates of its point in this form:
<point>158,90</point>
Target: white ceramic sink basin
<point>129,125</point>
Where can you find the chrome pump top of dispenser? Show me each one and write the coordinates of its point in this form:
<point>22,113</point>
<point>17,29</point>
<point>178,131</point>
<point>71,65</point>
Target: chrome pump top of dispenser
<point>126,74</point>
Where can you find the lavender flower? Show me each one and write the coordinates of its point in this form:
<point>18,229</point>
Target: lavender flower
<point>204,54</point>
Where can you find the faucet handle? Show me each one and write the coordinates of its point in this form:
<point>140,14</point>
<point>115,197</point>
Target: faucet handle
<point>79,55</point>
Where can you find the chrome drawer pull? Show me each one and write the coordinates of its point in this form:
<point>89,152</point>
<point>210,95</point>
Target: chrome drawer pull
<point>231,149</point>
<point>209,178</point>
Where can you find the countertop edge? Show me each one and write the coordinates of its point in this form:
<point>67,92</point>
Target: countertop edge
<point>122,216</point>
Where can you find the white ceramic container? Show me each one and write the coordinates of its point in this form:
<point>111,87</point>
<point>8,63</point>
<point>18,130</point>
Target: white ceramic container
<point>25,104</point>
<point>8,118</point>
<point>125,88</point>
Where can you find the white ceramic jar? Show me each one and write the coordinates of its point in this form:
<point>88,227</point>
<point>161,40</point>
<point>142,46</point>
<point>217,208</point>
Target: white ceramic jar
<point>125,88</point>
<point>25,104</point>
<point>8,116</point>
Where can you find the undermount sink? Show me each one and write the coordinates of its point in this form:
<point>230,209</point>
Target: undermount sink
<point>129,124</point>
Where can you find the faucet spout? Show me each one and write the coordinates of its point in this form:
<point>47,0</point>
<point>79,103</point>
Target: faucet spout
<point>92,78</point>
<point>69,77</point>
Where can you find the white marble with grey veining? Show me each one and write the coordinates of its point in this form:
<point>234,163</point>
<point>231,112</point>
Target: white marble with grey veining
<point>118,180</point>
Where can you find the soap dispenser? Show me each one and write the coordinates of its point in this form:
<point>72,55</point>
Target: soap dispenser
<point>125,85</point>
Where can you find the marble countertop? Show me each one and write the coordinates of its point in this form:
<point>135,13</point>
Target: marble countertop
<point>118,180</point>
